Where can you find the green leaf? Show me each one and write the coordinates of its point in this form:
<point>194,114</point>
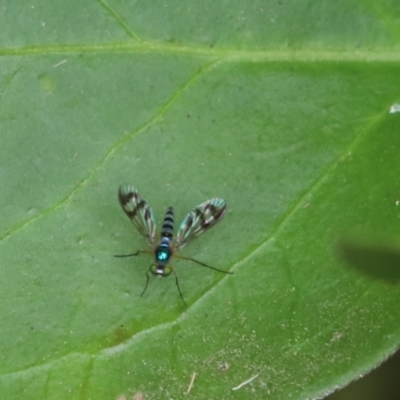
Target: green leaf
<point>282,109</point>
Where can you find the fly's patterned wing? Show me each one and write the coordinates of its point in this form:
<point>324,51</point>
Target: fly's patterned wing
<point>138,211</point>
<point>202,218</point>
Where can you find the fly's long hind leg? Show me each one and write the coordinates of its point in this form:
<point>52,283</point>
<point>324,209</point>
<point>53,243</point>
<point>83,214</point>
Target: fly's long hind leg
<point>202,264</point>
<point>177,284</point>
<point>147,282</point>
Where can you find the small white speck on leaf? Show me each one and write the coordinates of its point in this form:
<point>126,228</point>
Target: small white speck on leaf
<point>60,63</point>
<point>191,383</point>
<point>394,108</point>
<point>245,382</point>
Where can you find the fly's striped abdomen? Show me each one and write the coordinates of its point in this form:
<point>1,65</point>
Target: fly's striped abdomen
<point>168,224</point>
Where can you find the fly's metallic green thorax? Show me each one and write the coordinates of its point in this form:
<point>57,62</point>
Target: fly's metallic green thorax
<point>202,218</point>
<point>163,253</point>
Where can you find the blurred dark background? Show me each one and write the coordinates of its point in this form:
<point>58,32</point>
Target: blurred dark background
<point>382,383</point>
